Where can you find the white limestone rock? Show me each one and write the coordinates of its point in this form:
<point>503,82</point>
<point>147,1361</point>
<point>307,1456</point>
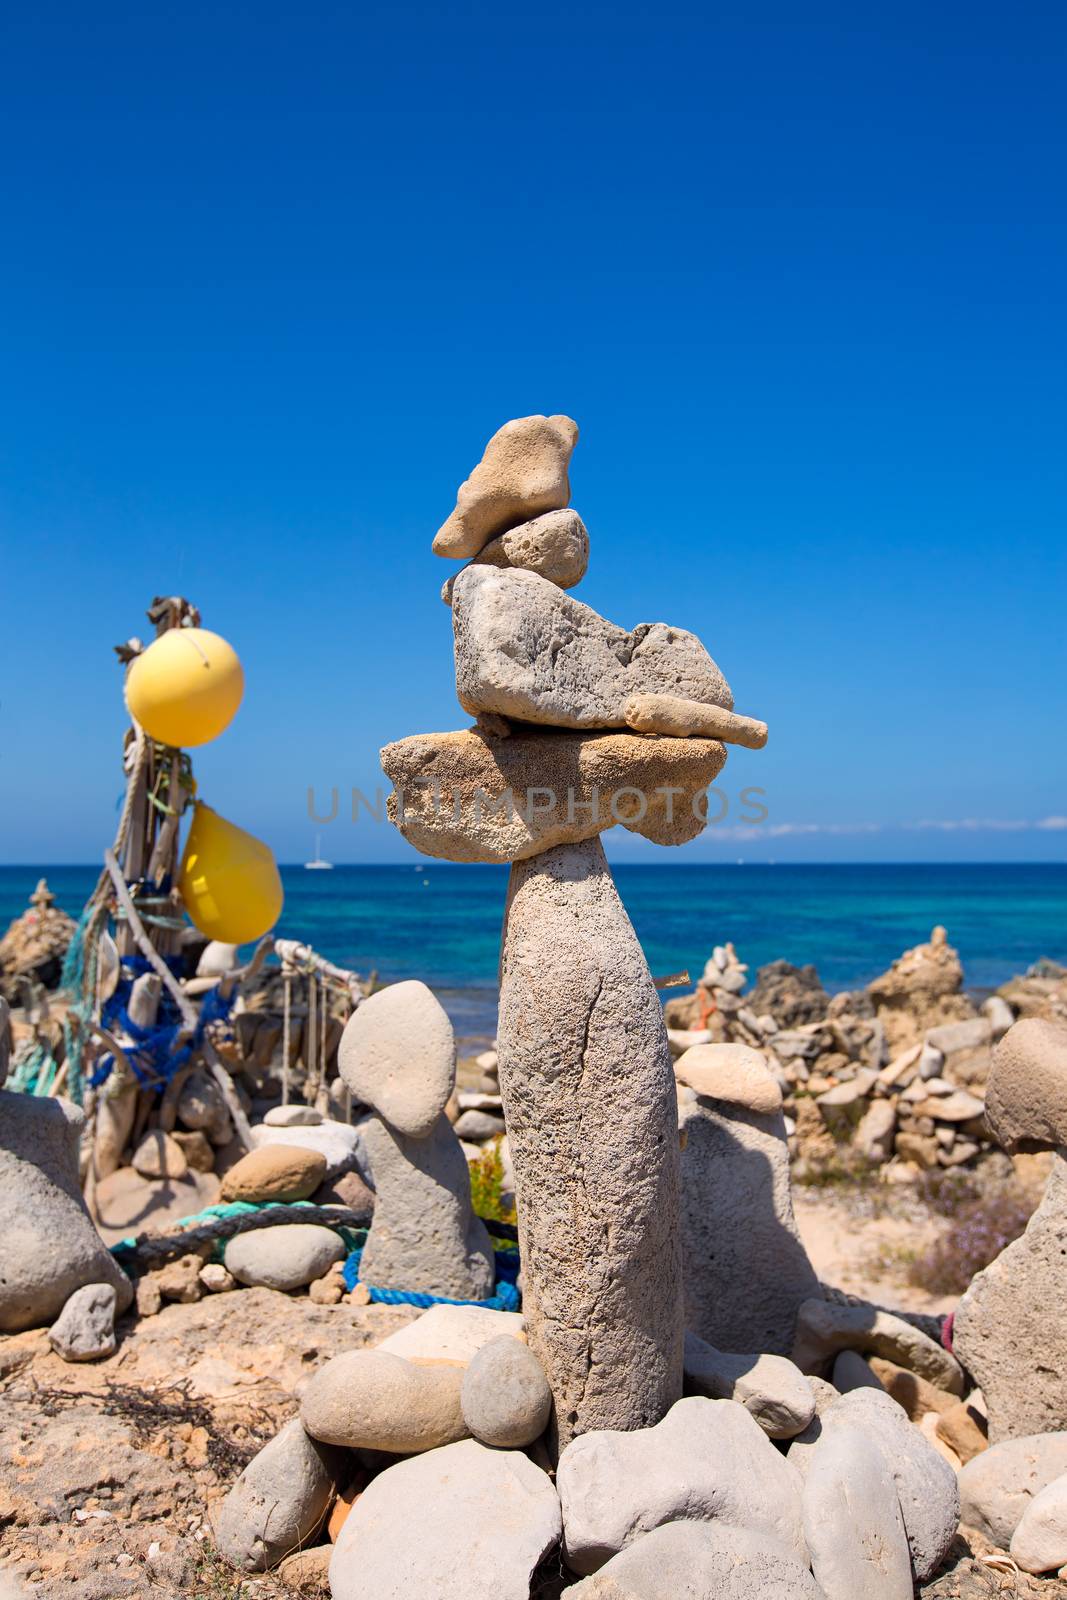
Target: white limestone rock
<point>1039,1543</point>
<point>278,1502</point>
<point>769,1387</point>
<point>452,1524</point>
<point>852,1521</point>
<point>998,1485</point>
<point>701,1561</point>
<point>453,1333</point>
<point>707,1460</point>
<point>85,1328</point>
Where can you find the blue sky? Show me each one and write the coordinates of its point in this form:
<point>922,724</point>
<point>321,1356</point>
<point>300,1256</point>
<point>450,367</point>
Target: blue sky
<point>273,275</point>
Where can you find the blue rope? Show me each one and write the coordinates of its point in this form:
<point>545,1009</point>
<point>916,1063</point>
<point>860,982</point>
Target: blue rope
<point>506,1298</point>
<point>156,1056</point>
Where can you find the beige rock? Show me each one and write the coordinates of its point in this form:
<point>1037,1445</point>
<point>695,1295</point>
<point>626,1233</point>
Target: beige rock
<point>915,1394</point>
<point>922,988</point>
<point>997,1486</point>
<point>216,1279</point>
<point>824,1327</point>
<point>306,1572</point>
<point>1026,1101</point>
<point>373,1400</point>
<point>1039,1543</point>
<point>555,546</point>
<point>927,1426</point>
<point>526,651</point>
<point>958,1107</point>
<point>733,1072</point>
<point>522,474</point>
<point>180,1280</point>
<point>464,796</point>
<point>159,1156</point>
<point>582,1046</point>
<point>669,713</point>
<point>274,1172</point>
<point>127,1204</point>
<point>965,1429</point>
<point>398,1056</point>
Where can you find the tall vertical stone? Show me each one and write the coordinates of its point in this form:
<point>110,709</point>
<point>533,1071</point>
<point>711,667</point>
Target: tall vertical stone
<point>590,1104</point>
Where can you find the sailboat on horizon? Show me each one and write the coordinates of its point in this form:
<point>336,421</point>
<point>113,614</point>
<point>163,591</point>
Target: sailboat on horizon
<point>318,865</point>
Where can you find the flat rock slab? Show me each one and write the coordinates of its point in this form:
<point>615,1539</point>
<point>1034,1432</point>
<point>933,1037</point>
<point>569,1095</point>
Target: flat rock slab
<point>746,1271</point>
<point>590,1101</point>
<point>1010,1327</point>
<point>522,473</point>
<point>707,1460</point>
<point>467,796</point>
<point>453,1333</point>
<point>701,1561</point>
<point>340,1142</point>
<point>453,1523</point>
<point>525,649</point>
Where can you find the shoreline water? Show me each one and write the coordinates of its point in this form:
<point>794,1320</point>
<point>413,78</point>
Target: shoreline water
<point>442,924</point>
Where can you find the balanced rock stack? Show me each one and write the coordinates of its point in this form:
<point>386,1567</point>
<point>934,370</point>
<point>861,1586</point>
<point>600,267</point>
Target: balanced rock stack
<point>581,724</point>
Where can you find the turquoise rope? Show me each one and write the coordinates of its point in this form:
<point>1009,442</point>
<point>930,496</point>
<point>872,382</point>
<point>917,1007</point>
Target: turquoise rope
<point>506,1298</point>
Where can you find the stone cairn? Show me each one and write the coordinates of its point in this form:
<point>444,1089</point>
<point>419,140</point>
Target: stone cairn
<point>640,1430</point>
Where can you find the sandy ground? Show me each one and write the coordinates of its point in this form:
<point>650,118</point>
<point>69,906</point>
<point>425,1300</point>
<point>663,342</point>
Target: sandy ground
<point>864,1249</point>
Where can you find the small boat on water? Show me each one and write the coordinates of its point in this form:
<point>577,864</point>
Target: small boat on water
<point>318,865</point>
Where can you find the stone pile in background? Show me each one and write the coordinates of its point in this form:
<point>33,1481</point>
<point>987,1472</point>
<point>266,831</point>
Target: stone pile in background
<point>892,1076</point>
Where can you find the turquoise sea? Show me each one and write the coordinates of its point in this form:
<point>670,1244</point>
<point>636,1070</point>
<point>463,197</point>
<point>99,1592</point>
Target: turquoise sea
<point>442,923</point>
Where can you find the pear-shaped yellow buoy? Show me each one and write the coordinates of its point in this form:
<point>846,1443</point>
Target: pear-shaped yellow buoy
<point>228,880</point>
<point>186,687</point>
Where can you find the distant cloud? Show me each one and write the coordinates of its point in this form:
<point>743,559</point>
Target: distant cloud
<point>783,830</point>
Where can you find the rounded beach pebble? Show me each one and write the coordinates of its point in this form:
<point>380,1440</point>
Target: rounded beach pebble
<point>285,1257</point>
<point>371,1400</point>
<point>505,1396</point>
<point>275,1172</point>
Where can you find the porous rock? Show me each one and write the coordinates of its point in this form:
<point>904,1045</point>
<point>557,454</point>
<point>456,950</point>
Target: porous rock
<point>452,1523</point>
<point>522,474</point>
<point>733,1072</point>
<point>746,1271</point>
<point>915,1394</point>
<point>1010,1328</point>
<point>286,1256</point>
<point>926,1484</point>
<point>50,1246</point>
<point>1026,1098</point>
<point>85,1328</point>
<point>769,1387</point>
<point>590,1101</point>
<point>424,1234</point>
<point>852,1522</point>
<point>1039,1543</point>
<point>398,1056</point>
<point>526,650</point>
<point>274,1172</point>
<point>707,1460</point>
<point>278,1501</point>
<point>695,1560</point>
<point>997,1486</point>
<point>824,1327</point>
<point>466,796</point>
<point>555,546</point>
<point>372,1400</point>
<point>505,1396</point>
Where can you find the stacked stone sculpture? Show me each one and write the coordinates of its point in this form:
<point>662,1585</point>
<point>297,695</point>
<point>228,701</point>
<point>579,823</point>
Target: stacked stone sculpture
<point>398,1056</point>
<point>581,725</point>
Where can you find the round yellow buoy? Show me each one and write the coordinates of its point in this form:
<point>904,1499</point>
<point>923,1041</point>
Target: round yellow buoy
<point>228,880</point>
<point>186,687</point>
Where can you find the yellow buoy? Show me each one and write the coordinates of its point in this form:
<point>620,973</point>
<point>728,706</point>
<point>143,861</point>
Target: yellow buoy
<point>228,880</point>
<point>186,687</point>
